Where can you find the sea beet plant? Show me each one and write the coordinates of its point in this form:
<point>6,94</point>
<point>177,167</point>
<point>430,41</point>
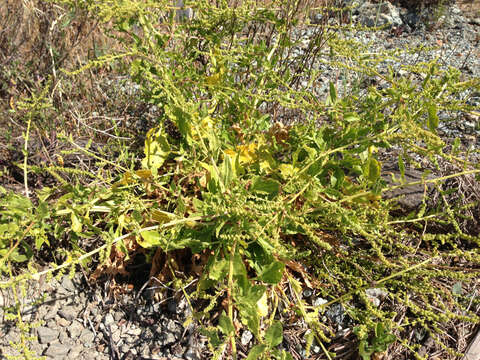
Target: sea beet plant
<point>268,184</point>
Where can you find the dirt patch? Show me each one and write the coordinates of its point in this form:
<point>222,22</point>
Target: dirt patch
<point>471,8</point>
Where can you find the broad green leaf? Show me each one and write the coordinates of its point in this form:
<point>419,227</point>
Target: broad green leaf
<point>42,210</point>
<point>432,117</point>
<point>226,171</point>
<point>351,117</point>
<point>183,120</point>
<point>40,238</point>
<point>144,174</point>
<point>254,294</point>
<point>213,186</point>
<point>274,334</point>
<point>214,79</point>
<point>401,166</point>
<point>249,316</point>
<point>364,351</point>
<point>265,186</point>
<point>218,269</point>
<point>150,239</point>
<point>238,266</point>
<point>212,335</point>
<point>225,324</point>
<point>137,216</point>
<point>373,169</point>
<point>273,273</point>
<point>256,352</point>
<point>337,178</point>
<point>287,170</point>
<point>17,257</point>
<point>332,95</point>
<point>157,150</point>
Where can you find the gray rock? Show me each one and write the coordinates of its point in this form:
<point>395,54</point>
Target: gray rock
<point>36,347</point>
<point>118,316</point>
<point>172,306</point>
<point>75,329</point>
<point>116,335</point>
<point>62,322</point>
<point>68,313</point>
<point>191,354</point>
<point>67,286</point>
<point>370,14</point>
<point>247,336</point>
<point>134,332</point>
<point>173,327</point>
<point>319,301</point>
<point>48,312</point>
<point>182,13</point>
<point>47,335</point>
<point>86,338</point>
<point>336,313</point>
<point>65,339</point>
<point>57,351</point>
<point>108,320</point>
<point>408,197</point>
<point>75,351</point>
<point>170,338</point>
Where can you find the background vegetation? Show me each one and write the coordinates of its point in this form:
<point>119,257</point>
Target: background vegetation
<point>202,144</point>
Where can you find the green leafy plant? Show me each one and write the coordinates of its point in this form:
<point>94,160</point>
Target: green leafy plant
<point>378,343</point>
<point>251,170</point>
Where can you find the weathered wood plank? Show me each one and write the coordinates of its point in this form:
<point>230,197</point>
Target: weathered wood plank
<point>473,350</point>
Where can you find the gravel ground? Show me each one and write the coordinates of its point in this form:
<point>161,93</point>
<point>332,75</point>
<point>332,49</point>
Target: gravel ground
<point>81,322</point>
<point>75,320</point>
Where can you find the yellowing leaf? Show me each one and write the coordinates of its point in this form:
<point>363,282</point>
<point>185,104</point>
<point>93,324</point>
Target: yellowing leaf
<point>144,174</point>
<point>162,216</point>
<point>213,79</point>
<point>126,179</point>
<point>265,166</point>
<point>149,239</point>
<point>287,170</point>
<point>76,224</point>
<point>373,169</point>
<point>262,305</point>
<point>204,127</point>
<point>247,153</point>
<point>191,223</point>
<point>156,150</point>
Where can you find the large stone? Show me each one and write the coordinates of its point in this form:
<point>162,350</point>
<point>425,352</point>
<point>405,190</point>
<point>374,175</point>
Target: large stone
<point>409,197</point>
<point>68,313</point>
<point>57,351</point>
<point>383,14</point>
<point>182,13</point>
<point>75,329</point>
<point>47,335</point>
<point>86,338</point>
<point>66,286</point>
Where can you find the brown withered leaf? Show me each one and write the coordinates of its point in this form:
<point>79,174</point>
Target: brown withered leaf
<point>167,266</point>
<point>118,260</point>
<point>279,131</point>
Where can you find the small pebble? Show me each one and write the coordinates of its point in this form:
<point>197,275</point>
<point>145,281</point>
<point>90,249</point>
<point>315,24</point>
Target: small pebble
<point>47,335</point>
<point>57,351</point>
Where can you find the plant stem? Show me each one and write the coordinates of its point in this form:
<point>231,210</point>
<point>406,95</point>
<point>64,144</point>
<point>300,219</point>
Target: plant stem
<point>230,300</point>
<point>25,156</point>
